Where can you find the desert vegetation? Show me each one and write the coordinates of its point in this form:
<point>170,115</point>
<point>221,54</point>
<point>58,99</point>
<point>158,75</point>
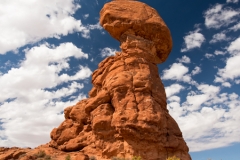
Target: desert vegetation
<point>173,158</point>
<point>41,155</point>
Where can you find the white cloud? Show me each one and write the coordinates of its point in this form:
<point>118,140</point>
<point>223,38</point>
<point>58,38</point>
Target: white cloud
<point>233,96</point>
<point>23,22</point>
<point>194,101</point>
<point>196,70</point>
<point>217,52</point>
<point>218,79</point>
<point>193,40</point>
<point>174,99</point>
<point>31,95</point>
<point>187,78</point>
<point>234,47</point>
<point>208,56</point>
<point>219,37</point>
<point>236,27</point>
<point>174,106</point>
<point>218,16</point>
<point>231,70</point>
<point>226,84</point>
<point>207,117</point>
<point>175,109</point>
<point>176,72</point>
<point>85,16</point>
<point>237,81</point>
<point>232,1</point>
<point>173,89</point>
<point>94,26</point>
<point>105,52</point>
<point>184,59</point>
<point>215,124</point>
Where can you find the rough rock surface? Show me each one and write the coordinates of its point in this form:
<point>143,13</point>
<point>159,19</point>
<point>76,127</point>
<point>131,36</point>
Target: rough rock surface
<point>43,152</point>
<point>121,18</point>
<point>125,114</point>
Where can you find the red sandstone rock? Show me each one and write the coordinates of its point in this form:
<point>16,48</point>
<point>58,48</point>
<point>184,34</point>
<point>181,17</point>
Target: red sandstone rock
<point>12,153</point>
<point>125,114</point>
<point>125,18</point>
<point>41,152</point>
<point>81,156</point>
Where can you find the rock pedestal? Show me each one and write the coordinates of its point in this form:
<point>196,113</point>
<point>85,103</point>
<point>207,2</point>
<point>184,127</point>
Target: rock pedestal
<point>125,114</point>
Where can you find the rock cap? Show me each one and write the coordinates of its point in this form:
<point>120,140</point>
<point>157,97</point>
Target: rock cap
<point>120,16</point>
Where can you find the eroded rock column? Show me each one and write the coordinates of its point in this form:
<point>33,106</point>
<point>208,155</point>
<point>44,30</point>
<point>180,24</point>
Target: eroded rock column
<point>125,114</point>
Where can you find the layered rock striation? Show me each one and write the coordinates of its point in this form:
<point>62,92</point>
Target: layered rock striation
<point>125,114</point>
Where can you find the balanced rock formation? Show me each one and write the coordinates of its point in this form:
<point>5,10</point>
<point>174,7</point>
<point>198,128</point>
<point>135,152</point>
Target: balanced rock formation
<point>125,114</point>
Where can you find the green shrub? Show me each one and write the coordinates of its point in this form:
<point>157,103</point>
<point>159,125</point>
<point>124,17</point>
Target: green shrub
<point>173,158</point>
<point>136,158</point>
<point>133,158</point>
<point>68,157</point>
<point>40,154</point>
<point>47,157</point>
<point>92,158</point>
<point>117,158</point>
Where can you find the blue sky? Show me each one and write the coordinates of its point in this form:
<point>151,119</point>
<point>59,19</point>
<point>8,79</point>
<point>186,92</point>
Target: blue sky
<point>48,50</point>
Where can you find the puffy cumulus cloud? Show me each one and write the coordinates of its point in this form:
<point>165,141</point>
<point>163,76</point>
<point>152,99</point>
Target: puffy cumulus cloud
<point>232,1</point>
<point>175,109</point>
<point>176,72</point>
<point>32,94</point>
<point>207,116</point>
<point>174,99</point>
<point>193,40</point>
<point>23,22</point>
<point>208,55</point>
<point>173,89</point>
<point>174,106</point>
<point>236,27</point>
<point>196,70</point>
<point>218,79</point>
<point>231,70</point>
<point>28,124</point>
<point>105,52</point>
<point>184,59</point>
<point>217,52</point>
<point>234,47</point>
<point>215,123</point>
<point>218,16</point>
<point>195,100</point>
<point>226,84</point>
<point>237,81</point>
<point>219,37</point>
<point>94,26</point>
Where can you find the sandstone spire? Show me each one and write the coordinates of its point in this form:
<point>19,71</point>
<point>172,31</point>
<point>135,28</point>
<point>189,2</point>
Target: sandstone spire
<point>125,114</point>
